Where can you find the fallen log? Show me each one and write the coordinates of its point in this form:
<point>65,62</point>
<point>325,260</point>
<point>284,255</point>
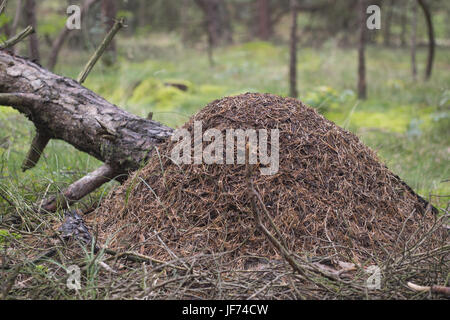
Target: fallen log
<point>61,108</point>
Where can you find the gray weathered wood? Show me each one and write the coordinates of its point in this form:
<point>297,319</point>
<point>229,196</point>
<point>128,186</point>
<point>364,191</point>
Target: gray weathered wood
<point>80,188</point>
<point>62,109</point>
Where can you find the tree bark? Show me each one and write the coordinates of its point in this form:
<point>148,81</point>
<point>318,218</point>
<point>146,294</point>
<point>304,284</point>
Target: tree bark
<point>109,12</point>
<point>413,41</point>
<point>293,52</point>
<point>431,40</point>
<point>61,108</point>
<point>185,22</point>
<point>30,18</point>
<point>80,188</point>
<point>387,26</point>
<point>217,21</point>
<point>403,22</point>
<point>16,16</point>
<point>362,87</point>
<point>264,19</point>
<point>16,21</point>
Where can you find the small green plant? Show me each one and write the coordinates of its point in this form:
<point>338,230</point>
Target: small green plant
<point>41,268</point>
<point>6,236</point>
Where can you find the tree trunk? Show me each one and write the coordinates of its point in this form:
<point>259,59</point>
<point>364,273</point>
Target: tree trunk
<point>185,22</point>
<point>217,21</point>
<point>431,40</point>
<point>293,52</point>
<point>30,18</point>
<point>227,29</point>
<point>61,108</point>
<point>62,36</point>
<point>6,30</point>
<point>387,26</point>
<point>109,12</point>
<point>403,22</point>
<point>211,19</point>
<point>264,19</point>
<point>16,20</point>
<point>362,90</point>
<point>413,41</point>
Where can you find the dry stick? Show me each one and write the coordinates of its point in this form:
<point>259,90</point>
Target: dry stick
<point>266,286</point>
<point>48,254</point>
<point>6,199</point>
<point>277,244</point>
<point>17,38</point>
<point>16,270</point>
<point>285,253</point>
<point>98,53</point>
<point>10,282</point>
<point>38,145</point>
<point>136,257</point>
<point>163,284</point>
<point>3,5</point>
<point>80,188</point>
<point>267,214</point>
<point>433,289</point>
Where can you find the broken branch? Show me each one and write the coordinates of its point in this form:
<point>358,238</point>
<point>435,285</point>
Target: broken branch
<point>433,289</point>
<point>18,101</point>
<point>98,53</point>
<point>38,145</point>
<point>80,188</point>
<point>3,5</point>
<point>257,215</point>
<point>17,38</point>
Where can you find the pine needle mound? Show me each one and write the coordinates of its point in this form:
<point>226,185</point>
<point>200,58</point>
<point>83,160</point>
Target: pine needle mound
<point>332,197</point>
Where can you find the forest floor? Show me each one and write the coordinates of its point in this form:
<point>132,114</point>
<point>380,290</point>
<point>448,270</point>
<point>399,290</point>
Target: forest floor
<point>407,122</point>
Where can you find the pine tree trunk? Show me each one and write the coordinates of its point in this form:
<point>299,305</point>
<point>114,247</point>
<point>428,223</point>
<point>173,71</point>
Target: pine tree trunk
<point>387,26</point>
<point>30,18</point>
<point>263,16</point>
<point>413,41</point>
<point>431,40</point>
<point>403,22</point>
<point>217,21</point>
<point>293,52</point>
<point>109,12</point>
<point>362,87</point>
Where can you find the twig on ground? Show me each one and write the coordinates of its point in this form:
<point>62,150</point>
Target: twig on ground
<point>136,257</point>
<point>433,289</point>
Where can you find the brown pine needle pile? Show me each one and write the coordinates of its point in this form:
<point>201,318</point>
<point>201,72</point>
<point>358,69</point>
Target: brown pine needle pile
<point>331,197</point>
